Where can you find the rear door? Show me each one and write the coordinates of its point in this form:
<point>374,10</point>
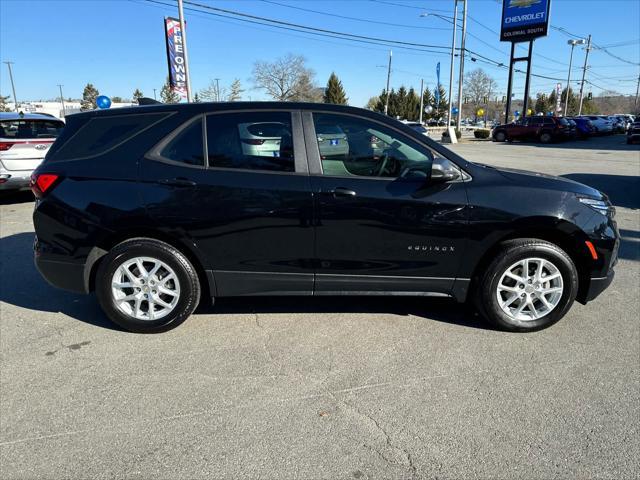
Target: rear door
<point>378,227</point>
<point>247,209</point>
<point>25,142</point>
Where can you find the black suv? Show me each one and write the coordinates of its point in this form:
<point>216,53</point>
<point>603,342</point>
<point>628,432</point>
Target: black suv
<point>154,207</point>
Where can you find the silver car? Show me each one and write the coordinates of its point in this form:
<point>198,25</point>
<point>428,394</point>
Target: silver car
<point>24,141</point>
<point>262,139</point>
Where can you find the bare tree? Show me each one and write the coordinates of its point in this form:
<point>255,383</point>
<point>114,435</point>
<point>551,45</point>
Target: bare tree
<point>478,88</point>
<point>235,91</point>
<point>213,93</point>
<point>286,79</point>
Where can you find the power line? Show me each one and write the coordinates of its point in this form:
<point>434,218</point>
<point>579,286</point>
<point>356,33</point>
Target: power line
<point>335,15</point>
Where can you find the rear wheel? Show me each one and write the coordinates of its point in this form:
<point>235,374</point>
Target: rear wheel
<point>500,136</point>
<point>147,286</point>
<point>545,137</point>
<point>530,285</point>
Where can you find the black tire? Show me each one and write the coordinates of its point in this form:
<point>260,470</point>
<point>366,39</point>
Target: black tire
<point>510,252</point>
<point>500,136</point>
<point>145,247</point>
<point>546,137</point>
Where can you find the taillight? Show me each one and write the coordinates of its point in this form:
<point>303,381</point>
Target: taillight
<point>41,183</point>
<point>4,146</point>
<point>252,141</point>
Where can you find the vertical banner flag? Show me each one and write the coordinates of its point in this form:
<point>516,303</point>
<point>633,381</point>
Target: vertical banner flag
<point>175,56</point>
<point>437,92</point>
<point>559,96</point>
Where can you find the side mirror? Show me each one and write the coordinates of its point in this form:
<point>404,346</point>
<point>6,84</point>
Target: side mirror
<point>440,175</point>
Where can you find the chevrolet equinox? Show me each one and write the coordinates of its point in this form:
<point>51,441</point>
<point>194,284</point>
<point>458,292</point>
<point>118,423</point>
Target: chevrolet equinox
<point>153,207</point>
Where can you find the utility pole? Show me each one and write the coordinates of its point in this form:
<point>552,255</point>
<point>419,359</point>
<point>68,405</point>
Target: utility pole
<point>635,104</point>
<point>13,87</point>
<point>584,73</point>
<point>217,89</point>
<point>453,54</point>
<point>461,77</point>
<point>422,98</point>
<point>386,101</point>
<point>64,111</point>
<point>184,43</point>
<point>154,94</point>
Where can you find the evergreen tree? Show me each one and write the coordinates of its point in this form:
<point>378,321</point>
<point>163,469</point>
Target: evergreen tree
<point>573,102</point>
<point>117,99</point>
<point>235,91</point>
<point>441,108</point>
<point>196,98</point>
<point>334,93</point>
<point>542,104</point>
<point>412,105</point>
<point>89,96</point>
<point>3,103</point>
<point>167,95</point>
<point>394,107</point>
<point>427,100</point>
<point>382,98</point>
<point>137,95</point>
<point>553,98</point>
<point>400,103</point>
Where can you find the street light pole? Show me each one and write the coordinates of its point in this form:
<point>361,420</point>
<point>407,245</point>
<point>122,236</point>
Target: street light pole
<point>422,98</point>
<point>154,94</point>
<point>453,54</point>
<point>461,77</point>
<point>13,87</point>
<point>186,54</point>
<point>64,111</point>
<point>386,101</point>
<point>217,89</point>
<point>584,73</point>
<point>573,44</point>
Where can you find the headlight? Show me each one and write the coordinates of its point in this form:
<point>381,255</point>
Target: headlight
<point>598,205</point>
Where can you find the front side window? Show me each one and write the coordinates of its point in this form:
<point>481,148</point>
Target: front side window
<point>352,146</point>
<point>251,141</point>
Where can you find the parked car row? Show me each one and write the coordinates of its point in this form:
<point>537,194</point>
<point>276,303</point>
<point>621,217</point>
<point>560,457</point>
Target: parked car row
<point>547,129</point>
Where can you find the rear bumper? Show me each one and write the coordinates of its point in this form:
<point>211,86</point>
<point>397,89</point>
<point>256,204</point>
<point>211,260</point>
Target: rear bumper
<point>65,275</point>
<point>15,179</point>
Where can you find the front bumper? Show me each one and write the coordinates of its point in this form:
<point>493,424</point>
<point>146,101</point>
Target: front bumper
<point>597,286</point>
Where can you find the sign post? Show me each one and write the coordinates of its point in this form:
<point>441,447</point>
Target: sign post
<point>523,21</point>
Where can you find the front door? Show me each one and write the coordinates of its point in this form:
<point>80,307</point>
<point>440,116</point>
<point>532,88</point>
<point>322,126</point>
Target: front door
<point>380,224</point>
<point>236,186</point>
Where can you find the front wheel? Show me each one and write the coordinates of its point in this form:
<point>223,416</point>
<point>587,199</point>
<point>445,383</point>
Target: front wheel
<point>500,136</point>
<point>530,285</point>
<point>545,137</point>
<point>147,286</point>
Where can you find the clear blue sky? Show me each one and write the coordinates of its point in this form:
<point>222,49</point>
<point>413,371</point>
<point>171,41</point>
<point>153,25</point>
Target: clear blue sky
<point>119,45</point>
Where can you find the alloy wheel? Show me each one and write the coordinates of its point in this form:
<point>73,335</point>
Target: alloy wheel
<point>145,288</point>
<point>530,289</point>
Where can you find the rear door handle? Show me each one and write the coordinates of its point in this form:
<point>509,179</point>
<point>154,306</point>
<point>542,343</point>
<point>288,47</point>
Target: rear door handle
<point>343,192</point>
<point>177,182</point>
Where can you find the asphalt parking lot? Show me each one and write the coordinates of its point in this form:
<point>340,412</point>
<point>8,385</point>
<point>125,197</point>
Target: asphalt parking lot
<point>343,388</point>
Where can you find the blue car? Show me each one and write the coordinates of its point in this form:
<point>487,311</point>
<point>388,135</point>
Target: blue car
<point>584,127</point>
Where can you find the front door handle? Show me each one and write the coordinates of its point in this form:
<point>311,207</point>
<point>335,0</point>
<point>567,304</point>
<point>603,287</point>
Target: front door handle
<point>343,192</point>
<point>177,182</point>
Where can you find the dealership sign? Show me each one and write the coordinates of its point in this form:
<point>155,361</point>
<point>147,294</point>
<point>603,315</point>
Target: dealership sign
<point>524,20</point>
<point>175,56</point>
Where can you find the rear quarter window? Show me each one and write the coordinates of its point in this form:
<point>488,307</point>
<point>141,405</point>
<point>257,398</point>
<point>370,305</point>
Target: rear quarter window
<point>101,134</point>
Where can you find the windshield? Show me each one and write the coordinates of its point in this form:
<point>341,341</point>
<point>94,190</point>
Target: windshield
<point>30,128</point>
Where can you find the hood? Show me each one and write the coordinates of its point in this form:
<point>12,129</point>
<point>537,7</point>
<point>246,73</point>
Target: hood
<point>542,180</point>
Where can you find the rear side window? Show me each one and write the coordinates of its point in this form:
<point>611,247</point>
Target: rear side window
<point>187,146</point>
<point>101,134</point>
<point>17,129</point>
<point>251,141</point>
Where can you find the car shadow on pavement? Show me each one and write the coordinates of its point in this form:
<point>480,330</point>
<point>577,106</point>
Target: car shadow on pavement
<point>629,245</point>
<point>23,286</point>
<point>622,190</point>
<point>606,143</point>
<point>12,198</point>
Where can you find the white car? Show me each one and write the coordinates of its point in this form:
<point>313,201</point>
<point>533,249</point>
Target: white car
<point>262,139</point>
<point>25,139</point>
